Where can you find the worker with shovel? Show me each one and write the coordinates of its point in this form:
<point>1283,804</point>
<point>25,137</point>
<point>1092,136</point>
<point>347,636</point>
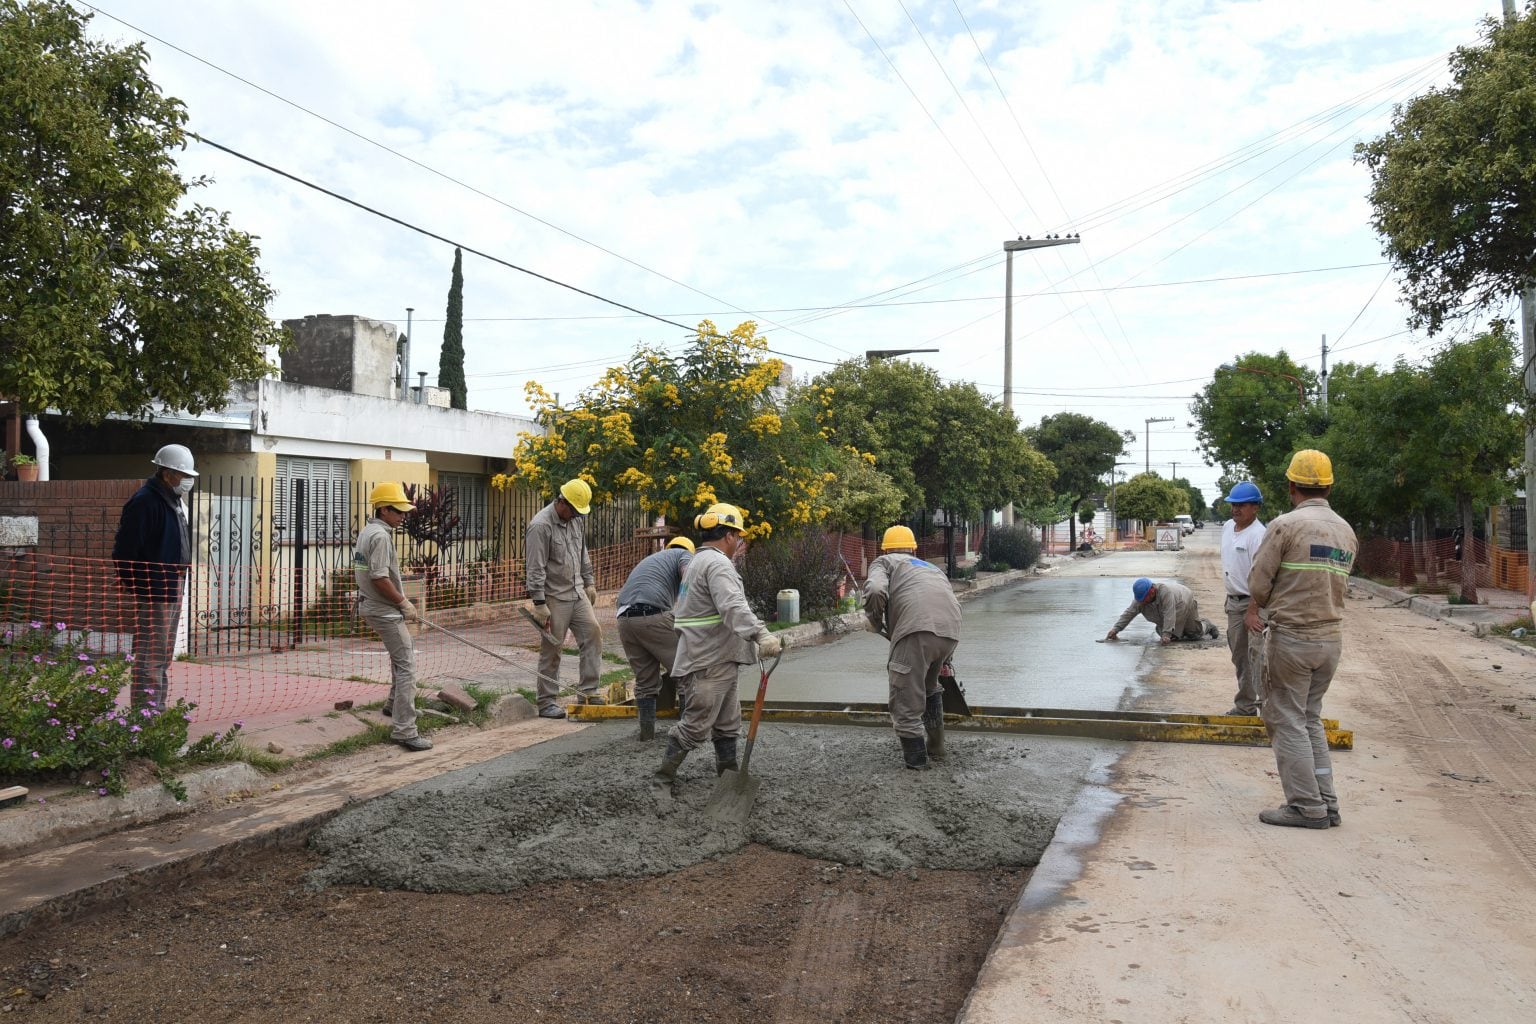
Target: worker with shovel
<point>911,602</point>
<point>716,634</point>
<point>385,607</point>
<point>1172,610</point>
<point>562,590</point>
<point>645,623</point>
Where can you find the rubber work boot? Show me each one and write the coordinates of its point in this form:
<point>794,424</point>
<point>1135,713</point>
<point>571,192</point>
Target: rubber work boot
<point>1335,819</point>
<point>725,755</point>
<point>933,725</point>
<point>417,743</point>
<point>553,711</point>
<point>1287,814</point>
<point>914,753</point>
<point>388,710</point>
<point>665,775</point>
<point>645,711</point>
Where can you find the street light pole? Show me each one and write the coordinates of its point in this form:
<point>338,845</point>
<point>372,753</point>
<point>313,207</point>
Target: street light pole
<point>1009,248</point>
<point>1147,433</point>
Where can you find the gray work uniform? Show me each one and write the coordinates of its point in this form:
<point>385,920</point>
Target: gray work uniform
<point>1237,550</point>
<point>645,617</point>
<point>912,602</point>
<point>559,570</point>
<point>1173,612</point>
<point>373,559</point>
<point>717,633</point>
<point>1299,579</point>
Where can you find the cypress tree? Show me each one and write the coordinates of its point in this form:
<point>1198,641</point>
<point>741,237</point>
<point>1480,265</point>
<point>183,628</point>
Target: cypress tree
<point>450,365</point>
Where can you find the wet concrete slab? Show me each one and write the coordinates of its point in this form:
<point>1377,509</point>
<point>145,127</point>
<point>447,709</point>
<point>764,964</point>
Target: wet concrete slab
<point>1030,645</point>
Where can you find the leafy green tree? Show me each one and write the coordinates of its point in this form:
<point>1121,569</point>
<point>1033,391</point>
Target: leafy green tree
<point>450,363</point>
<point>683,432</point>
<point>861,495</point>
<point>1192,494</point>
<point>1150,498</point>
<point>1083,450</point>
<point>979,459</point>
<point>887,408</point>
<point>1253,415</point>
<point>1453,181</point>
<point>116,294</point>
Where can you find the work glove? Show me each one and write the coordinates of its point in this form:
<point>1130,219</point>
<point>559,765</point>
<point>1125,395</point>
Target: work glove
<point>592,596</point>
<point>771,646</point>
<point>540,612</point>
<point>409,611</point>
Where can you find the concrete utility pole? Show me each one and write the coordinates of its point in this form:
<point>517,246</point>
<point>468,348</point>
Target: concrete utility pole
<point>1147,433</point>
<point>1528,348</point>
<point>1009,248</point>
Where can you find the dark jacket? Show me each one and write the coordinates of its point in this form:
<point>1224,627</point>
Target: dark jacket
<point>152,549</point>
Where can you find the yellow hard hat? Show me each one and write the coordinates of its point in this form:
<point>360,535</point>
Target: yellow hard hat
<point>389,493</point>
<point>898,537</point>
<point>578,495</point>
<point>681,542</point>
<point>719,514</point>
<point>1310,468</point>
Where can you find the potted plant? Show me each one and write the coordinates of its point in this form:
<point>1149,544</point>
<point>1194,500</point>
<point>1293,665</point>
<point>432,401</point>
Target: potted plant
<point>25,465</point>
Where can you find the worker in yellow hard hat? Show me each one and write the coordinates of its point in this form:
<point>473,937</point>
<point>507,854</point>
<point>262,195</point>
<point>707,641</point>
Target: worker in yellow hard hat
<point>717,633</point>
<point>562,591</point>
<point>384,606</point>
<point>911,602</point>
<point>1297,585</point>
<point>645,623</point>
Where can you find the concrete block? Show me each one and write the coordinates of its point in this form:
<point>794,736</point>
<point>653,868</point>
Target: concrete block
<point>513,707</point>
<point>18,531</point>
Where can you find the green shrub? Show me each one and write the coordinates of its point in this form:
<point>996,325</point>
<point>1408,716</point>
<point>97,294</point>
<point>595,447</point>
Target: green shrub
<point>1016,546</point>
<point>58,703</point>
<point>805,563</point>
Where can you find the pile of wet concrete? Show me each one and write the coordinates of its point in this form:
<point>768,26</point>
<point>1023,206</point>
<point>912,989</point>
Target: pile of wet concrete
<point>583,807</point>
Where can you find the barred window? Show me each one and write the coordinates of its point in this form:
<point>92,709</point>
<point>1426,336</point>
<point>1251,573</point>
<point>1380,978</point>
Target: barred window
<point>327,504</point>
<point>474,497</point>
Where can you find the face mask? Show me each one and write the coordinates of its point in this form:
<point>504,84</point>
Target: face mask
<point>185,487</point>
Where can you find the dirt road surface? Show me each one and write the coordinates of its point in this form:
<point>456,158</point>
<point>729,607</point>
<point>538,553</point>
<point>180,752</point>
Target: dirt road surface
<point>1420,907</point>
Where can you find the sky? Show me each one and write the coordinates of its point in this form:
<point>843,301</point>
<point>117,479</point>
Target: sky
<point>842,172</point>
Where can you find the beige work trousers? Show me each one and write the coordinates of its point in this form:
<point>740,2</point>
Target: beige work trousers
<point>913,668</point>
<point>713,710</point>
<point>390,625</point>
<point>1298,668</point>
<point>1245,656</point>
<point>650,644</point>
<point>574,616</point>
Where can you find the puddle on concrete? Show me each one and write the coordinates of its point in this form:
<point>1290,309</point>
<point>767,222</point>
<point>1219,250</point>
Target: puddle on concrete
<point>581,807</point>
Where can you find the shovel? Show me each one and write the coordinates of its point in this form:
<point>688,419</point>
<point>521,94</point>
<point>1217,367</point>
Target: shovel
<point>736,791</point>
<point>544,632</point>
<point>954,694</point>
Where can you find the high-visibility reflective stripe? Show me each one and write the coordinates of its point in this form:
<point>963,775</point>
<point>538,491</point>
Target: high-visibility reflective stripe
<point>701,620</point>
<point>1313,567</point>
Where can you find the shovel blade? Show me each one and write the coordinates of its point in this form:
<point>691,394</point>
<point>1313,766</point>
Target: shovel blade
<point>954,696</point>
<point>735,792</point>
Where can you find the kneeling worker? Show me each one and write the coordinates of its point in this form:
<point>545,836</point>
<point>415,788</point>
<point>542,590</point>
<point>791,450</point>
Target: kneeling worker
<point>911,602</point>
<point>645,623</point>
<point>386,608</point>
<point>1170,607</point>
<point>716,634</point>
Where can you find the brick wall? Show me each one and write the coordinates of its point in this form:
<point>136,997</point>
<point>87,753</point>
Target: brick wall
<point>74,517</point>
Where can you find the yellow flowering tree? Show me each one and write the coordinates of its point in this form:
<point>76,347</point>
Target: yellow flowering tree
<point>683,432</point>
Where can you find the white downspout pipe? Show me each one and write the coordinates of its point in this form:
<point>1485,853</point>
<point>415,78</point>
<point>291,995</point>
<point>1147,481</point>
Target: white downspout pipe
<point>36,433</point>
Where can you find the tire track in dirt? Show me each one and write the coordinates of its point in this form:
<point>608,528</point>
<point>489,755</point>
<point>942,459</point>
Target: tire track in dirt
<point>1501,749</point>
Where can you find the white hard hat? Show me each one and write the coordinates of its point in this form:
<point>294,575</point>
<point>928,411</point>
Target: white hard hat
<point>177,457</point>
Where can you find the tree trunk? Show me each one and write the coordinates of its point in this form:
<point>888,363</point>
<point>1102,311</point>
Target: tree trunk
<point>1072,525</point>
<point>1468,559</point>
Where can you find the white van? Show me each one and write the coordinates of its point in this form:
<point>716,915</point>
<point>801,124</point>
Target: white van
<point>1186,523</point>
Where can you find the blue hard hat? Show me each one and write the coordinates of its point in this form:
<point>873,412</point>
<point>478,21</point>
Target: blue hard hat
<point>1247,491</point>
<point>1141,587</point>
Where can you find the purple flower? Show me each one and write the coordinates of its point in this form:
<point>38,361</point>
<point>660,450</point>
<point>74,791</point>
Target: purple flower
<point>106,773</point>
<point>187,717</point>
<point>82,657</point>
<point>127,657</point>
<point>146,713</point>
<point>36,754</point>
<point>37,657</point>
<point>239,724</point>
<point>35,624</point>
<point>8,743</point>
<point>137,728</point>
<point>102,791</point>
<point>61,627</point>
<point>53,721</point>
<point>90,670</point>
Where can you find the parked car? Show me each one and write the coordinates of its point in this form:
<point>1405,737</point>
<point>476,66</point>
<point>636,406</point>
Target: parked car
<point>1186,523</point>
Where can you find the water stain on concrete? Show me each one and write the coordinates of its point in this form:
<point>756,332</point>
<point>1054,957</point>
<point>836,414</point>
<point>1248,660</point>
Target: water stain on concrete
<point>582,807</point>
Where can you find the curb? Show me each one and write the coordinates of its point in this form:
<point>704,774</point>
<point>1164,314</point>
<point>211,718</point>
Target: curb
<point>1420,605</point>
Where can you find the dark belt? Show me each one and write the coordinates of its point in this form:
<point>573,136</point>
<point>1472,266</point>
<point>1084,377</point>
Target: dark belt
<point>639,611</point>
